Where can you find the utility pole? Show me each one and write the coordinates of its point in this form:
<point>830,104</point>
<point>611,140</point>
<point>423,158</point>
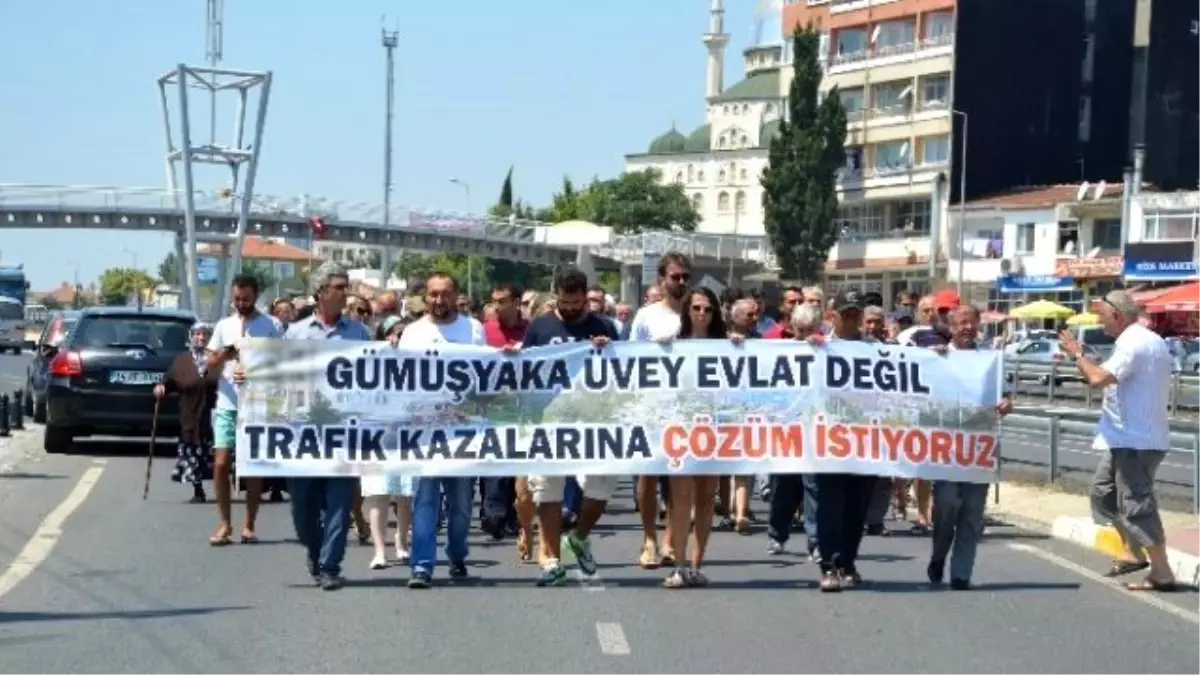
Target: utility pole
<point>390,40</point>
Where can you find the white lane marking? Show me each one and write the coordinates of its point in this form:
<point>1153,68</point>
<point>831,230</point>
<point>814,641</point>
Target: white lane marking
<point>1147,597</point>
<point>611,638</point>
<point>50,530</point>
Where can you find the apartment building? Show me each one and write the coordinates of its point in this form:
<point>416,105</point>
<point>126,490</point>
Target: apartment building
<point>1163,233</point>
<point>893,64</point>
<point>1060,243</point>
<point>954,101</point>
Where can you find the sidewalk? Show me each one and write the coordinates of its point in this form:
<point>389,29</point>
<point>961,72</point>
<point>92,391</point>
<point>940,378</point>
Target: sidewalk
<point>1068,517</point>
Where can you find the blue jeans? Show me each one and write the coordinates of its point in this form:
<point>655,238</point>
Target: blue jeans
<point>321,516</point>
<point>426,505</point>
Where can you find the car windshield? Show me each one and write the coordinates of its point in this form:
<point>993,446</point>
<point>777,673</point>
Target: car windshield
<point>11,311</point>
<point>155,332</point>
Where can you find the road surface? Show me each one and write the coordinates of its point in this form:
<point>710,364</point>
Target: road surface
<point>93,579</point>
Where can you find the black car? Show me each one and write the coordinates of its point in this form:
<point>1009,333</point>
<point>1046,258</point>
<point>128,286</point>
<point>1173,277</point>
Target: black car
<point>60,325</point>
<point>100,378</point>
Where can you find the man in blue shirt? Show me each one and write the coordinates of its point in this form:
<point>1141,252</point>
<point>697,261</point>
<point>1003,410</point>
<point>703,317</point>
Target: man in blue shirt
<point>321,506</point>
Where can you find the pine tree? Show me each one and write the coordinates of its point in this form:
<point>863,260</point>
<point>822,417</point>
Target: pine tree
<point>799,185</point>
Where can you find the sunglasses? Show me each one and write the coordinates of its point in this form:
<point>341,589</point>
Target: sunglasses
<point>705,309</point>
<point>680,277</point>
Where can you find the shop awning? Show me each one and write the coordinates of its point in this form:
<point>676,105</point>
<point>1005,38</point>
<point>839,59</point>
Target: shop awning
<point>1041,309</point>
<point>1185,298</point>
<point>1087,319</point>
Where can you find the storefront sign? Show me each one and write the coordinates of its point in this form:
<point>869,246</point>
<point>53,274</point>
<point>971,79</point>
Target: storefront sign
<point>1089,268</point>
<point>1160,261</point>
<point>1035,284</point>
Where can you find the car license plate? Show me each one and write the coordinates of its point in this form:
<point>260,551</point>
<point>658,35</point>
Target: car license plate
<point>134,377</point>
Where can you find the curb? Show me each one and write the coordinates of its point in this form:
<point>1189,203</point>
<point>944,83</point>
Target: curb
<point>1086,533</point>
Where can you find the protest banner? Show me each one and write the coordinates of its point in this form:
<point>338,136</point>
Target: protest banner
<point>320,408</point>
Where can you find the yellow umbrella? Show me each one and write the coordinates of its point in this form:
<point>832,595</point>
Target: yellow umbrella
<point>1041,309</point>
<point>1087,319</point>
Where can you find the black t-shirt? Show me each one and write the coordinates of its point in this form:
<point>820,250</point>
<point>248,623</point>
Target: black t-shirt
<point>548,329</point>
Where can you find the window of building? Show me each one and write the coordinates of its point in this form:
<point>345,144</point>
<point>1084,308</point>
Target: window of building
<point>1068,237</point>
<point>690,173</point>
<point>938,28</point>
<point>721,141</point>
<point>745,140</point>
<point>891,98</point>
<point>1025,237</point>
<point>851,44</point>
<point>861,221</point>
<point>723,202</point>
<point>1166,225</point>
<point>745,108</point>
<point>935,149</point>
<point>852,100</point>
<point>698,202</point>
<point>935,91</point>
<point>725,110</point>
<point>892,37</point>
<point>769,108</point>
<point>700,175</point>
<point>739,202</point>
<point>1106,233</point>
<point>891,155</point>
<point>854,157</point>
<point>678,176</point>
<point>913,216</point>
<point>721,176</point>
<point>742,174</point>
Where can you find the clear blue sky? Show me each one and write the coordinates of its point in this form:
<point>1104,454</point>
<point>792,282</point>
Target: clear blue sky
<point>553,87</point>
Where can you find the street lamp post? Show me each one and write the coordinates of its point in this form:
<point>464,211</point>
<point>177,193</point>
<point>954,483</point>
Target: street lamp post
<point>466,189</point>
<point>962,200</point>
<point>137,291</point>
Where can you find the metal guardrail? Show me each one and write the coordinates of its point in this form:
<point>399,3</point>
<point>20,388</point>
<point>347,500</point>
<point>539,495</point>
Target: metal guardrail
<point>1056,425</point>
<point>628,248</point>
<point>1054,380</point>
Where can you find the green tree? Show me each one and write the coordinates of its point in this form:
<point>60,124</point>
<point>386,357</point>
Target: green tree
<point>118,285</point>
<point>799,185</point>
<point>512,271</point>
<point>566,204</point>
<point>638,201</point>
<point>262,271</point>
<point>168,270</point>
<point>416,267</point>
<point>321,411</point>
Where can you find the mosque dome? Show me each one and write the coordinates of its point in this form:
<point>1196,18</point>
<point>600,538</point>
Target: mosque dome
<point>668,143</point>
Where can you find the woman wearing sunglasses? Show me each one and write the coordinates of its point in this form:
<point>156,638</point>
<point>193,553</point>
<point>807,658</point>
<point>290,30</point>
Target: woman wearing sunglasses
<point>701,320</point>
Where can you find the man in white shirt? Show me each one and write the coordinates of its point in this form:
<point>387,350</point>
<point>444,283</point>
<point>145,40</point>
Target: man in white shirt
<point>246,321</point>
<point>1133,432</point>
<point>441,324</point>
<point>660,321</point>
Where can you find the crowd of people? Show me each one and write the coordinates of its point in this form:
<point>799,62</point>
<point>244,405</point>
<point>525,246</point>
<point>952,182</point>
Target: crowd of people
<point>553,516</point>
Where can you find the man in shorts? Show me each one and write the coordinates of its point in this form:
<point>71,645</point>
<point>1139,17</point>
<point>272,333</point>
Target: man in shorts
<point>245,322</point>
<point>569,322</point>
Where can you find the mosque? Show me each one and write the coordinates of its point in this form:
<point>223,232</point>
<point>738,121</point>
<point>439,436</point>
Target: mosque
<point>719,164</point>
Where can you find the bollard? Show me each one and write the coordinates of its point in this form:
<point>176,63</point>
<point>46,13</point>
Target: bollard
<point>4,430</point>
<point>17,413</point>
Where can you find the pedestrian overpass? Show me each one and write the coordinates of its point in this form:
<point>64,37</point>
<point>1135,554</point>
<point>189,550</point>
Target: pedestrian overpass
<point>28,206</point>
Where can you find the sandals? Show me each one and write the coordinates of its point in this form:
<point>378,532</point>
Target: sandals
<point>1122,567</point>
<point>524,547</point>
<point>668,557</point>
<point>249,537</point>
<point>222,537</point>
<point>1148,585</point>
<point>649,560</point>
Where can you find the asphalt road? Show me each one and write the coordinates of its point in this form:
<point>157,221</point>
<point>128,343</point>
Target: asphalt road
<point>93,579</point>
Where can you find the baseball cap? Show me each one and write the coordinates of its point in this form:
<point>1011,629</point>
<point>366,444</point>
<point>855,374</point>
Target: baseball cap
<point>872,298</point>
<point>848,299</point>
<point>390,323</point>
<point>947,299</point>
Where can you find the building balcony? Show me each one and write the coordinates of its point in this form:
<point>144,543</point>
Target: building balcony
<point>880,175</point>
<point>890,248</point>
<point>942,45</point>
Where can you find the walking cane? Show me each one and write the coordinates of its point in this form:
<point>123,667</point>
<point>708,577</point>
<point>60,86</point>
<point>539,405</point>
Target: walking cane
<point>150,452</point>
